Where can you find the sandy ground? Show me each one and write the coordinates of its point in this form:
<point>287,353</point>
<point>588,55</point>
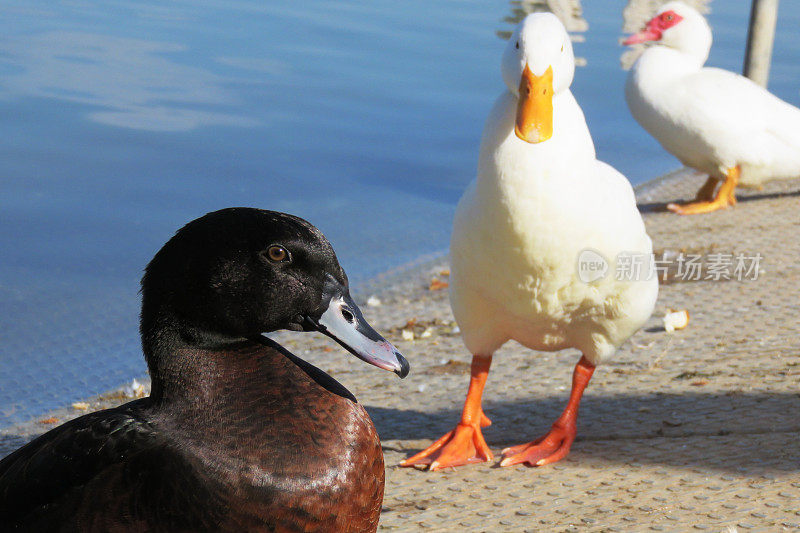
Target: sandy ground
<point>698,429</point>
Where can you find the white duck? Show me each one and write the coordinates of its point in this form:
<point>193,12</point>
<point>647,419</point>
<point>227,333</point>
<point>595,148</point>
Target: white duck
<point>540,199</point>
<point>711,119</point>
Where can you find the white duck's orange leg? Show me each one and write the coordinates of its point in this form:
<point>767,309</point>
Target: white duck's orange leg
<point>725,196</point>
<point>731,191</point>
<point>465,444</point>
<point>556,444</point>
<point>706,192</point>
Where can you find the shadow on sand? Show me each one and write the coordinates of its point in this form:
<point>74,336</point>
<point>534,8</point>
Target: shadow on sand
<point>730,432</point>
<point>657,207</point>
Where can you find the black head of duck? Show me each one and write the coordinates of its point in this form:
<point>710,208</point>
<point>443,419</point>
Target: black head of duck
<point>238,433</point>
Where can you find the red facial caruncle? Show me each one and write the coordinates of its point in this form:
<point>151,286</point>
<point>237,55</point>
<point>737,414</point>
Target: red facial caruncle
<point>655,29</point>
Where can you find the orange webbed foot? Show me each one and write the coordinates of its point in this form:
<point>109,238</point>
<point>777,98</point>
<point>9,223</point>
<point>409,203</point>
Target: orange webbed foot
<point>696,208</point>
<point>465,444</point>
<point>461,446</point>
<point>706,201</point>
<point>548,449</point>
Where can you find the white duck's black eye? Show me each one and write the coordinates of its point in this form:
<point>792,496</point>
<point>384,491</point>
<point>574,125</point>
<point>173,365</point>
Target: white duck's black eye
<point>517,45</point>
<point>277,254</point>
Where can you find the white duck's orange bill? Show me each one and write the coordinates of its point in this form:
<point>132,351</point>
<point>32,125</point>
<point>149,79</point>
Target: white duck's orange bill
<point>535,109</point>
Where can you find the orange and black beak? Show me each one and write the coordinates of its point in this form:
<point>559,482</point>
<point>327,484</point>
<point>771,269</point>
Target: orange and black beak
<point>535,108</point>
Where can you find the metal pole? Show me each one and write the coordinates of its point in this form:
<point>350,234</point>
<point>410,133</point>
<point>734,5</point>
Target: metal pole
<point>760,36</point>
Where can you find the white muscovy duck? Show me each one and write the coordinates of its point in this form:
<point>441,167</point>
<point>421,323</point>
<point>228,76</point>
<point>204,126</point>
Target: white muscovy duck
<point>541,199</point>
<point>713,120</point>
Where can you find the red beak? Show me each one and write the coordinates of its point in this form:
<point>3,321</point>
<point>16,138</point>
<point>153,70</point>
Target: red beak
<point>643,36</point>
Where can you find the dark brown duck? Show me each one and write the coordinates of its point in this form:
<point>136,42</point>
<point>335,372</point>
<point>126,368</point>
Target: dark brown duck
<point>238,433</point>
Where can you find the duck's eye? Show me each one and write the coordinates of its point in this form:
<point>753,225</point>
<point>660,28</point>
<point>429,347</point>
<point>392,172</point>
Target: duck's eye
<point>278,254</point>
<point>517,45</point>
<point>668,17</point>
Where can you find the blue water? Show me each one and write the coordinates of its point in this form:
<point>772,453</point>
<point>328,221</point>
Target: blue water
<point>119,122</point>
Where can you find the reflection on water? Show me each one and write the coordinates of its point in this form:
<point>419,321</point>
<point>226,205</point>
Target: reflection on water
<point>132,83</point>
<point>568,11</point>
<point>635,16</point>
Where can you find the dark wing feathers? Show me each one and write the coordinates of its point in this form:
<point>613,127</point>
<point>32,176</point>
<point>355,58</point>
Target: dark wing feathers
<point>96,472</point>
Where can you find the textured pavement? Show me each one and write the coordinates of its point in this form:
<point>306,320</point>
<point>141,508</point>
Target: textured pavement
<point>693,430</point>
